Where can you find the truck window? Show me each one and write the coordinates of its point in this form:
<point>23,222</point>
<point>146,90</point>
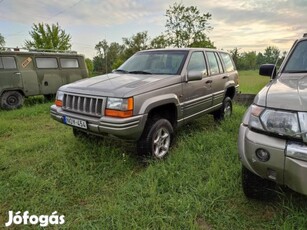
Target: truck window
<point>46,63</point>
<point>197,62</point>
<point>7,63</point>
<point>229,66</point>
<point>213,64</point>
<point>69,63</point>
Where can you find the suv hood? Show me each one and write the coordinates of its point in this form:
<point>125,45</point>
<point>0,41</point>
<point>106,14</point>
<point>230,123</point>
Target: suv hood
<point>287,92</point>
<point>119,85</point>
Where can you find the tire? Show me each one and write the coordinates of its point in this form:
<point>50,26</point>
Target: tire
<point>49,97</point>
<point>79,134</point>
<point>156,138</point>
<point>225,111</point>
<point>11,100</point>
<point>255,187</point>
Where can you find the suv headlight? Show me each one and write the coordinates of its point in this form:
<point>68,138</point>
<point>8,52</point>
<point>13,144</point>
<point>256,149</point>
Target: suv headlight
<point>119,107</point>
<point>59,99</point>
<point>275,121</point>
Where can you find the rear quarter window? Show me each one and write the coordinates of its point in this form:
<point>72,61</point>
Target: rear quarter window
<point>229,66</point>
<point>68,63</point>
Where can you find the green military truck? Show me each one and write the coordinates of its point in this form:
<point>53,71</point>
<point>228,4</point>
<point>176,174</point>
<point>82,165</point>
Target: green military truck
<point>26,73</point>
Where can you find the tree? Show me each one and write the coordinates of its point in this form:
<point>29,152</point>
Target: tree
<point>137,42</point>
<point>186,26</point>
<point>2,42</point>
<point>108,56</point>
<point>271,54</point>
<point>89,65</point>
<point>159,42</point>
<point>48,37</point>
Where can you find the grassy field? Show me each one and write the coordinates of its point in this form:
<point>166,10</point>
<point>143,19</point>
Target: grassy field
<point>251,82</point>
<point>102,184</point>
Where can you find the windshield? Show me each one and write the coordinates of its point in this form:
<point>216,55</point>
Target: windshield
<point>297,62</point>
<point>155,62</point>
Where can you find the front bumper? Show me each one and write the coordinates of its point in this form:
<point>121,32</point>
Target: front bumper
<point>124,128</point>
<point>286,166</point>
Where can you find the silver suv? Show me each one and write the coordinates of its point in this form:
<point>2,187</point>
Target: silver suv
<point>150,95</point>
<point>273,134</point>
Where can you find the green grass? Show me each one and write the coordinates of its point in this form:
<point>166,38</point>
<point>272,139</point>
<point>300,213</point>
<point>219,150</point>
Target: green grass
<point>102,184</point>
<point>251,82</point>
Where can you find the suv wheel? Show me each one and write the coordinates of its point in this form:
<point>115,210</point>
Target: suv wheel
<point>156,138</point>
<point>11,100</point>
<point>256,187</point>
<point>225,111</point>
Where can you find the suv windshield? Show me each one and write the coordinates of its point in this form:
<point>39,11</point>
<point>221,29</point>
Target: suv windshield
<point>297,63</point>
<point>155,62</point>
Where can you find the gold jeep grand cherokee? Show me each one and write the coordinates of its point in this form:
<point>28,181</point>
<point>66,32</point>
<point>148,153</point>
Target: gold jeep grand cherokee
<point>273,134</point>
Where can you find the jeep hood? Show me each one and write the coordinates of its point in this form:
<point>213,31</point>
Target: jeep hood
<point>119,85</point>
<point>288,92</point>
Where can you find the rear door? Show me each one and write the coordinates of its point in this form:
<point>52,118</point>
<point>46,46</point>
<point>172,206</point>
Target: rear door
<point>70,69</point>
<point>198,93</point>
<point>49,75</point>
<point>218,77</point>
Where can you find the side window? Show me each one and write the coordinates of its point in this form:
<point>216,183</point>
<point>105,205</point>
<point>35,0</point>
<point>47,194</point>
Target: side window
<point>69,63</point>
<point>213,63</point>
<point>46,63</point>
<point>7,63</point>
<point>197,62</point>
<point>229,66</point>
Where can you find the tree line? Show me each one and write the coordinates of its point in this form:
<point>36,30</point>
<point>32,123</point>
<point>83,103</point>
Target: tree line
<point>184,27</point>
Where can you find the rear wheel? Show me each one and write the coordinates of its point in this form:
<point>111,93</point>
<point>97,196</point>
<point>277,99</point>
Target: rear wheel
<point>11,100</point>
<point>256,187</point>
<point>225,111</point>
<point>156,138</point>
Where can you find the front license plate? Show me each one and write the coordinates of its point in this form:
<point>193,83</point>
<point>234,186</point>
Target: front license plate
<point>75,122</point>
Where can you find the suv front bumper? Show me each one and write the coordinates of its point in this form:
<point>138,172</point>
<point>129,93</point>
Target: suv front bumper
<point>124,128</point>
<point>286,166</point>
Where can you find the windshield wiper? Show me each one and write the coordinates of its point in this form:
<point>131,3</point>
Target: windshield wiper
<point>140,72</point>
<point>121,70</point>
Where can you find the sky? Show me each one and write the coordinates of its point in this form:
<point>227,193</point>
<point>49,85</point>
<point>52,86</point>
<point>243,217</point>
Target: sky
<point>249,25</point>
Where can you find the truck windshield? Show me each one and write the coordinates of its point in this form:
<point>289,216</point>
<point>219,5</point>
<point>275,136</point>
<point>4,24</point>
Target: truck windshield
<point>297,62</point>
<point>168,62</point>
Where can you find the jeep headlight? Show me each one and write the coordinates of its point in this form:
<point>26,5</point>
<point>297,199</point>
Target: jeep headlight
<point>59,99</point>
<point>119,107</point>
<point>275,121</point>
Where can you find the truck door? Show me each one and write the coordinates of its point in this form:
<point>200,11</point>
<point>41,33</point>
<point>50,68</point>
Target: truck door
<point>197,93</point>
<point>28,75</point>
<point>70,70</point>
<point>219,78</point>
<point>48,74</point>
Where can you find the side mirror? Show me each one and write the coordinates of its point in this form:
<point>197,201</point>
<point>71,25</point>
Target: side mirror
<point>268,70</point>
<point>194,75</point>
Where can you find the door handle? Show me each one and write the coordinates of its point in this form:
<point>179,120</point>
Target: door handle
<point>225,77</point>
<point>17,73</point>
<point>209,81</point>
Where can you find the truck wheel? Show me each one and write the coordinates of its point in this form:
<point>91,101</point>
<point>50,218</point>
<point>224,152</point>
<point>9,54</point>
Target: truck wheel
<point>156,138</point>
<point>225,111</point>
<point>11,100</point>
<point>255,187</point>
<point>78,133</point>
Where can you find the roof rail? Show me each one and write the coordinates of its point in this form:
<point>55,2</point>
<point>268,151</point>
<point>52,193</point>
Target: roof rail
<point>16,49</point>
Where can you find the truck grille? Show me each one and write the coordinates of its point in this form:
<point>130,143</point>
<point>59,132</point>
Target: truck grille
<point>82,104</point>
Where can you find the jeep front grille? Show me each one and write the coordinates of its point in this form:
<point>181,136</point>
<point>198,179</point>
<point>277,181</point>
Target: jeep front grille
<point>83,104</point>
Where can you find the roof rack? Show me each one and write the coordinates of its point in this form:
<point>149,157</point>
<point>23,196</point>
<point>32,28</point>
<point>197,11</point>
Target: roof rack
<point>17,49</point>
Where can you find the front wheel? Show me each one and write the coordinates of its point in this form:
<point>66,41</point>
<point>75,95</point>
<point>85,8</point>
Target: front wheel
<point>255,187</point>
<point>11,100</point>
<point>225,111</point>
<point>156,138</point>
